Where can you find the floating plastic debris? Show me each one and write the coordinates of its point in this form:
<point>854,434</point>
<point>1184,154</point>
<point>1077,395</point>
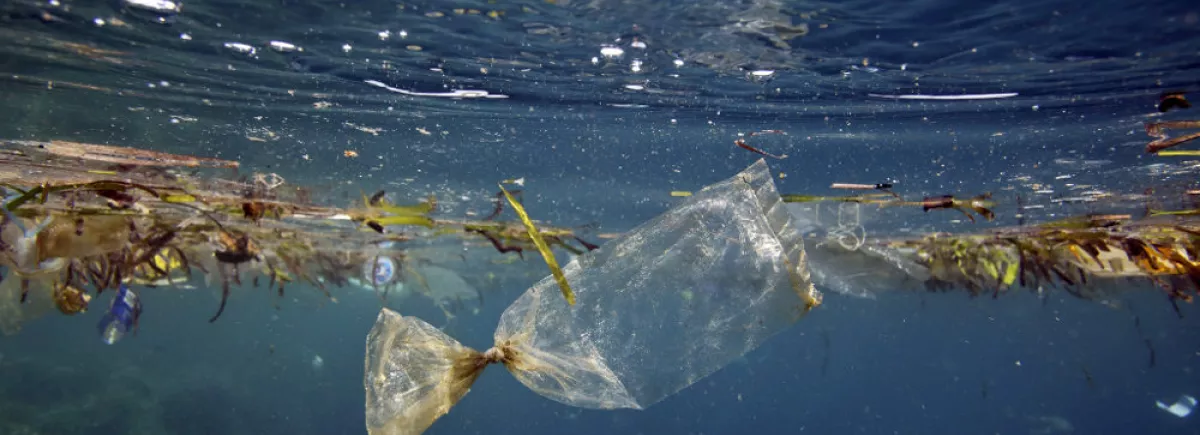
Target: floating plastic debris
<point>122,316</point>
<point>381,272</point>
<point>1181,408</point>
<point>602,355</point>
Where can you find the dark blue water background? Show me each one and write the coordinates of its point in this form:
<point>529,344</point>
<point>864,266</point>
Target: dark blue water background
<point>599,142</point>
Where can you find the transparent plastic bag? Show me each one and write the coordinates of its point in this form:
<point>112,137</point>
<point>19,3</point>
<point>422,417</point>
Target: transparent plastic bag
<point>446,288</point>
<point>864,272</point>
<point>414,374</point>
<point>841,258</point>
<point>26,281</point>
<point>658,309</point>
<point>14,313</point>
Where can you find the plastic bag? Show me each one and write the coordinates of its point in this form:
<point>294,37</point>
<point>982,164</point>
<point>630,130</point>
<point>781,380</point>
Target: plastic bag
<point>658,309</point>
<point>39,300</point>
<point>446,288</point>
<point>26,290</point>
<point>842,260</point>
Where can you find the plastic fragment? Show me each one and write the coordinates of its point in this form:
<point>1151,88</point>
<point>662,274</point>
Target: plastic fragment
<point>1181,408</point>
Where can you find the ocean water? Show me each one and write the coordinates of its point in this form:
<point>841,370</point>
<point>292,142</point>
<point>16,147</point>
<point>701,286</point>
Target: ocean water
<point>604,107</point>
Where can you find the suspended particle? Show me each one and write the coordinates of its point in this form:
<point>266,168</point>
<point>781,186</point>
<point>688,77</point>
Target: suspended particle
<point>611,52</point>
<point>284,47</point>
<point>760,76</point>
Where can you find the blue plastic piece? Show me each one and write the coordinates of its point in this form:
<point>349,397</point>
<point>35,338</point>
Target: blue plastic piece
<point>121,317</point>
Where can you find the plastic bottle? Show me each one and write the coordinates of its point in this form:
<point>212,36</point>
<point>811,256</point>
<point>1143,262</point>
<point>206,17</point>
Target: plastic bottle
<point>121,317</point>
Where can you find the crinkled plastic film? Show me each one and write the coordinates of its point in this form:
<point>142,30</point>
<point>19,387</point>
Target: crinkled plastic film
<point>864,272</point>
<point>38,293</point>
<point>414,374</point>
<point>14,313</point>
<point>658,309</point>
<point>840,258</point>
<point>671,302</point>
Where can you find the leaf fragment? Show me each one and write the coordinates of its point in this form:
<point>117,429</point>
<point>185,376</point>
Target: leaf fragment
<point>541,246</point>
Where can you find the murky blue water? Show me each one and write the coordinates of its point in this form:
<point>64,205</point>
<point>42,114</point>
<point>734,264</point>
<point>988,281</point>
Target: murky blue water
<point>604,107</point>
